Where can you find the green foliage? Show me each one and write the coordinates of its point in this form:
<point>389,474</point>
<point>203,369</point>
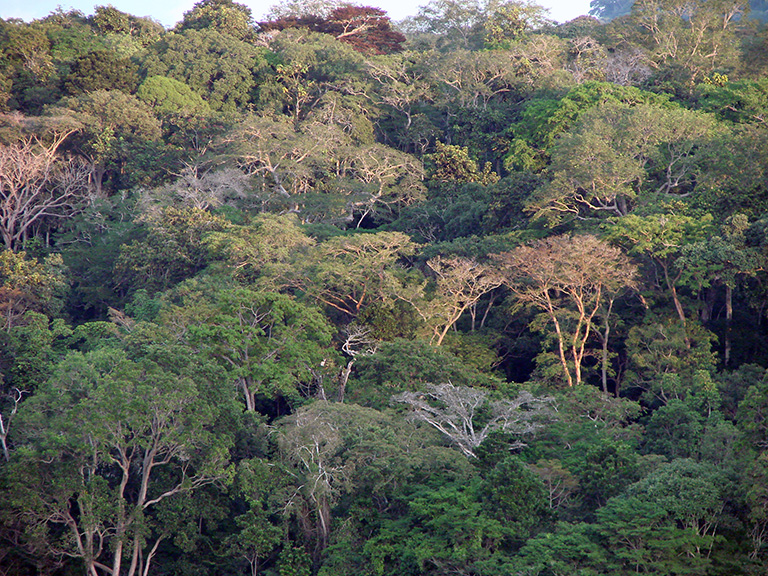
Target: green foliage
<point>267,219</point>
<point>169,96</point>
<point>667,359</point>
<point>674,430</point>
<point>621,156</point>
<point>101,70</point>
<point>472,24</point>
<point>91,249</point>
<point>109,20</point>
<point>29,284</point>
<point>223,70</point>
<point>406,365</point>
<point>146,415</point>
<point>223,16</point>
<point>270,344</point>
<point>570,549</point>
<point>453,164</point>
<point>515,495</point>
<point>119,132</point>
<point>544,119</point>
<point>173,250</point>
<point>742,101</point>
<point>32,349</point>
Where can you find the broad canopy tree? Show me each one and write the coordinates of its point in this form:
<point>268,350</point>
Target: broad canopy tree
<point>467,416</point>
<point>269,344</point>
<point>105,442</point>
<point>573,281</point>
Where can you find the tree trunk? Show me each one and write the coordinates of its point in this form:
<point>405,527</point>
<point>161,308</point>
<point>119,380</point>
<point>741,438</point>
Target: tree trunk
<point>561,349</point>
<point>604,338</point>
<point>344,378</point>
<point>728,319</point>
<point>678,305</point>
<point>250,405</point>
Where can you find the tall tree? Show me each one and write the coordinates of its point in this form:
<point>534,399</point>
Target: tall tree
<point>116,129</point>
<point>219,67</point>
<point>37,182</point>
<point>620,156</point>
<point>368,30</point>
<point>569,279</point>
<point>459,285</point>
<point>688,40</point>
<point>348,274</point>
<point>270,345</point>
<point>106,442</point>
<point>224,16</point>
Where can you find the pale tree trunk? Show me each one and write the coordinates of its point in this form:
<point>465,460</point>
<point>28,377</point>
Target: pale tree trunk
<point>728,320</point>
<point>344,378</point>
<point>678,305</point>
<point>250,404</point>
<point>560,346</point>
<point>604,353</point>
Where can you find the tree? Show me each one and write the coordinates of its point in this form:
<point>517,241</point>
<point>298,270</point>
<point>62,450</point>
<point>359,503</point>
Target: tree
<point>269,344</point>
<point>453,164</point>
<point>695,495</point>
<point>641,537</point>
<point>553,274</point>
<point>661,237</point>
<point>116,129</point>
<point>109,20</point>
<point>101,70</point>
<point>38,183</point>
<point>262,253</point>
<point>299,8</point>
<point>28,284</point>
<point>173,248</point>
<point>460,283</point>
<point>467,416</point>
<point>348,273</point>
<point>106,442</point>
<point>220,68</point>
<point>688,40</point>
<point>28,63</point>
<point>754,485</point>
<point>401,81</point>
<point>620,156</point>
<point>169,96</point>
<point>312,441</point>
<point>568,550</point>
<point>368,30</point>
<point>717,261</point>
<point>223,16</point>
<point>470,23</point>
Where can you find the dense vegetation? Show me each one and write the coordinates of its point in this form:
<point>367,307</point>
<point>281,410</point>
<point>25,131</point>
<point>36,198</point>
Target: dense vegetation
<point>472,294</point>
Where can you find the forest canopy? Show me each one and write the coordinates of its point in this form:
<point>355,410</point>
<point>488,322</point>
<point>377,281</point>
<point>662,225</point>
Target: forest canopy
<point>326,294</point>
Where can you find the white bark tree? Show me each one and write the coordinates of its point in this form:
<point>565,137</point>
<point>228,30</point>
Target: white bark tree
<point>467,416</point>
<point>36,182</point>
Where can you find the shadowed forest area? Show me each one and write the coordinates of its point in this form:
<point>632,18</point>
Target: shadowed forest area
<point>474,293</point>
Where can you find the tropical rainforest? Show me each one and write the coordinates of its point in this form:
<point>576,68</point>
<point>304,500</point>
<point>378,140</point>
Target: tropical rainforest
<point>474,293</point>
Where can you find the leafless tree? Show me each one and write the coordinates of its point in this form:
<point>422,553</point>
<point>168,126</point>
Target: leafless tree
<point>467,415</point>
<point>36,182</point>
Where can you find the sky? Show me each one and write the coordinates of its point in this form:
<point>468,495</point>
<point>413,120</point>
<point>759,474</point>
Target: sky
<point>168,12</point>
